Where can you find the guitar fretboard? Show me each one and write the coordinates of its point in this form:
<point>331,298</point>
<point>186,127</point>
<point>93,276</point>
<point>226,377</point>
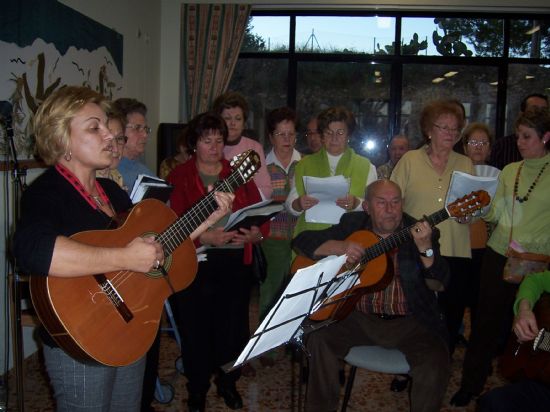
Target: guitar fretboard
<point>180,230</point>
<point>397,238</point>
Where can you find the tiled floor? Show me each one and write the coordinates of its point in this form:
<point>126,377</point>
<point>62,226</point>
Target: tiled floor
<point>269,390</point>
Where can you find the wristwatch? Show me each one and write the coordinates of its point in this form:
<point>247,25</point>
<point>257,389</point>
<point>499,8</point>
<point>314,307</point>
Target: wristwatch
<point>428,252</point>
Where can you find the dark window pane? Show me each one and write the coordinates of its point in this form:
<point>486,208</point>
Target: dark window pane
<point>267,34</point>
<point>452,37</point>
<point>530,38</point>
<point>523,80</point>
<point>344,34</point>
<point>363,88</point>
<point>474,86</point>
<point>264,84</point>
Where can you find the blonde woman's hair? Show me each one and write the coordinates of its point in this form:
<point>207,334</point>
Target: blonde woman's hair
<point>52,121</point>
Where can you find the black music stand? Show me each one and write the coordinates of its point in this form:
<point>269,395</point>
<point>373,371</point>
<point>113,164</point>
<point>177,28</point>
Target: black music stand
<point>309,290</point>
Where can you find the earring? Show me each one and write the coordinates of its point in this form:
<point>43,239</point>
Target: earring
<point>68,156</point>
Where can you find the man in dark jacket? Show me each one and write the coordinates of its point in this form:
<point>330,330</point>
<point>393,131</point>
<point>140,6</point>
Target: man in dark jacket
<point>404,315</point>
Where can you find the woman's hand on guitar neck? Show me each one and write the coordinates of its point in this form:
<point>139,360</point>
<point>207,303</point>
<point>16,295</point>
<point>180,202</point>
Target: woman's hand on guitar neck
<point>525,324</point>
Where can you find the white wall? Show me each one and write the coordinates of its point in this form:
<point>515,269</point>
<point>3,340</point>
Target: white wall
<point>139,21</point>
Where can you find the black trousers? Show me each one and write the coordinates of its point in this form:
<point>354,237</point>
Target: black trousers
<point>496,298</point>
<point>426,353</point>
<point>212,317</point>
<point>454,299</point>
<point>526,396</point>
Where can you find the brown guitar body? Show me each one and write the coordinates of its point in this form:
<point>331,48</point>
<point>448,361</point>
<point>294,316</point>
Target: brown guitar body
<point>374,276</point>
<point>520,361</point>
<point>81,317</point>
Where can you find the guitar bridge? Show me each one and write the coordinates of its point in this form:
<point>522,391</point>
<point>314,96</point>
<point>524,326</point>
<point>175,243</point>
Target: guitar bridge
<point>115,298</point>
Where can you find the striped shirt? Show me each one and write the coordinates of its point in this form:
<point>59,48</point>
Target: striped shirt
<point>389,301</point>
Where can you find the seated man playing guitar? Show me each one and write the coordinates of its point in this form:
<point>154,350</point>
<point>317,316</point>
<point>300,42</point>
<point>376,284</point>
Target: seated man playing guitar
<point>532,394</point>
<point>402,314</point>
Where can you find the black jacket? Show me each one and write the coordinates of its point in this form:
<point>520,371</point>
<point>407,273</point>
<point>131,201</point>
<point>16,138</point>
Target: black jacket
<point>418,282</point>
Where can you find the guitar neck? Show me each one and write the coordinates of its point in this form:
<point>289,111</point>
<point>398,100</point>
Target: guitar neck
<point>182,228</point>
<point>399,237</point>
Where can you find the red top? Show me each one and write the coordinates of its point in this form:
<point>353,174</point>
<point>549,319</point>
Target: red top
<point>189,188</point>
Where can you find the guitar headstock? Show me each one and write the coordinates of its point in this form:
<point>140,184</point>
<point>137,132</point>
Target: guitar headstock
<point>245,165</point>
<point>469,204</point>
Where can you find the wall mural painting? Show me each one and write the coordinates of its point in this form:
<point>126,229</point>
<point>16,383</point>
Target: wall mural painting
<point>38,58</point>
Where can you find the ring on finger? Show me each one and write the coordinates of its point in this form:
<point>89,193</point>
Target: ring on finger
<point>157,264</point>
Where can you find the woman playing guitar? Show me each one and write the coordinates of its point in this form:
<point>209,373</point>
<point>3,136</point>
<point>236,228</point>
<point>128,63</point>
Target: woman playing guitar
<point>73,138</point>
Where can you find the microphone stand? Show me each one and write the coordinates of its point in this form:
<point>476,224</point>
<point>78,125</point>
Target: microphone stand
<point>19,185</point>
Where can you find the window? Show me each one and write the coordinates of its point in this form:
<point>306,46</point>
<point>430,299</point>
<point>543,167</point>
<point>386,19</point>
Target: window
<point>530,38</point>
<point>524,79</point>
<point>267,34</point>
<point>337,34</point>
<point>351,59</point>
<point>471,85</point>
<point>264,83</point>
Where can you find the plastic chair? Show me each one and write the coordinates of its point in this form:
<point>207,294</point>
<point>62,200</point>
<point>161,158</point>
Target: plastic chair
<point>376,359</point>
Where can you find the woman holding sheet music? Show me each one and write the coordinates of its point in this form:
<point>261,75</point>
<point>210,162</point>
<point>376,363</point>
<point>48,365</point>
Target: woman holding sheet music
<point>212,313</point>
<point>336,125</point>
<point>424,176</point>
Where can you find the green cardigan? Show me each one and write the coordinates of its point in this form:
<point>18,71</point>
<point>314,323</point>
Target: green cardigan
<point>350,165</point>
<point>531,288</point>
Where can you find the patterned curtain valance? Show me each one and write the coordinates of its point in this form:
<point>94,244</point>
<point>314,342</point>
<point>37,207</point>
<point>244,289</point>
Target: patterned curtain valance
<point>212,38</point>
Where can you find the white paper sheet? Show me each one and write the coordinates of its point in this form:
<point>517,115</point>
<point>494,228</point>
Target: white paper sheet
<point>326,190</point>
<point>463,184</point>
<point>288,307</point>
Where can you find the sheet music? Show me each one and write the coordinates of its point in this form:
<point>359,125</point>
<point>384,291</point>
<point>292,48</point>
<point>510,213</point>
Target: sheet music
<point>463,184</point>
<point>326,190</point>
<point>286,316</point>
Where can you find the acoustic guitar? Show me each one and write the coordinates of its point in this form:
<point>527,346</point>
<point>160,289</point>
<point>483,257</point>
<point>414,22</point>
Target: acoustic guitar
<point>112,318</point>
<point>530,360</point>
<point>376,274</point>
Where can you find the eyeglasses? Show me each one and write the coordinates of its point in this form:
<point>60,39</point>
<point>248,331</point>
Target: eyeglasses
<point>139,128</point>
<point>337,132</point>
<point>311,132</point>
<point>290,135</point>
<point>477,143</point>
<point>450,130</point>
<point>121,140</point>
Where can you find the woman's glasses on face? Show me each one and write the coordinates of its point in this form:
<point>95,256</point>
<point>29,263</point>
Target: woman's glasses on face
<point>334,133</point>
<point>139,128</point>
<point>477,143</point>
<point>121,140</point>
<point>289,135</point>
<point>451,130</point>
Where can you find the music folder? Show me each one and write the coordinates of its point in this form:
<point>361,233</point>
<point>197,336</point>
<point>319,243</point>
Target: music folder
<point>150,187</point>
<point>254,215</point>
